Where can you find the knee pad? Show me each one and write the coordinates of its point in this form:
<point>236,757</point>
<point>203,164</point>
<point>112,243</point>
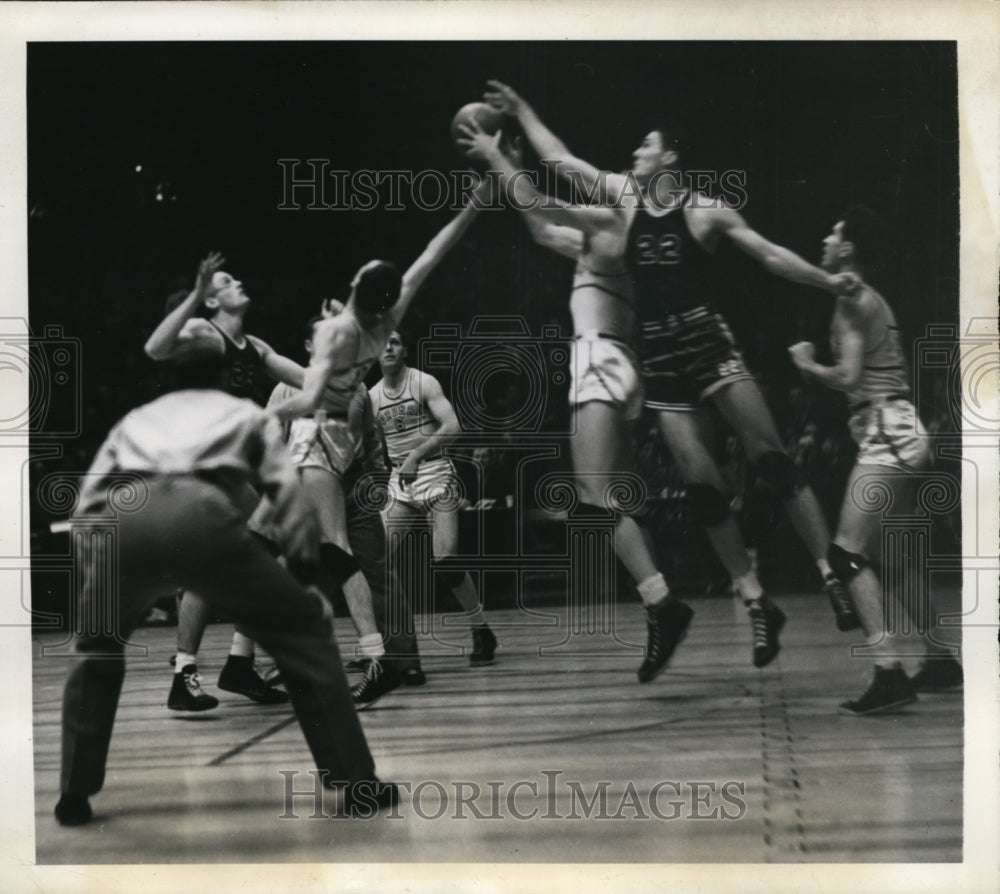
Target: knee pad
<point>449,571</point>
<point>845,565</point>
<point>780,473</point>
<point>708,504</point>
<point>339,563</point>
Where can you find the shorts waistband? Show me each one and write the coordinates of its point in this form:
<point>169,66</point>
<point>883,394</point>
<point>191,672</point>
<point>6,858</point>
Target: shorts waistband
<point>687,315</point>
<point>880,399</point>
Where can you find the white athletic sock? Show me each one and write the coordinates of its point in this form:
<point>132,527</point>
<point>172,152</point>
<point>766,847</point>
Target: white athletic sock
<point>242,646</point>
<point>371,645</point>
<point>824,568</point>
<point>653,590</point>
<point>184,659</point>
<point>748,587</point>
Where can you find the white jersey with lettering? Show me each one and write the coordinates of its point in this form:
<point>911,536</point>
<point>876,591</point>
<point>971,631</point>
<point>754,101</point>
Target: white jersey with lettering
<point>403,415</point>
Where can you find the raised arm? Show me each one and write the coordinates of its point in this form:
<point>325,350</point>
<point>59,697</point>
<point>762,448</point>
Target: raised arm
<point>545,143</point>
<point>166,338</point>
<point>775,259</point>
<point>521,192</point>
<point>436,249</point>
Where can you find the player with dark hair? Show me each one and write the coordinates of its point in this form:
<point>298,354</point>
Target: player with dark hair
<point>209,319</point>
<point>345,347</point>
<point>667,233</point>
<point>189,454</point>
<point>870,368</point>
<point>417,421</point>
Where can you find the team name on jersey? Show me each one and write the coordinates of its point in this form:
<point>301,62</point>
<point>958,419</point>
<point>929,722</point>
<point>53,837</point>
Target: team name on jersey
<point>396,415</point>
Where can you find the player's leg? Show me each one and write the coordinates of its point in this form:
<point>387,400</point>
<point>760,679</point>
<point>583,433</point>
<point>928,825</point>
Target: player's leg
<point>338,561</point>
<point>856,559</point>
<point>601,450</point>
<point>687,434</point>
<point>742,405</point>
<point>294,626</point>
<point>444,543</point>
<point>186,694</point>
<point>367,539</point>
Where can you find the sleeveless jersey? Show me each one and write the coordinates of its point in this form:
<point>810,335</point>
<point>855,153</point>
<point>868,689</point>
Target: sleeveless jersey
<point>337,395</point>
<point>884,371</point>
<point>670,269</point>
<point>613,284</point>
<point>243,372</point>
<point>404,418</point>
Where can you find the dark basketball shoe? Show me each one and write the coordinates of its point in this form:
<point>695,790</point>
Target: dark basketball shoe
<point>239,676</point>
<point>413,676</point>
<point>889,690</point>
<point>366,797</point>
<point>186,693</point>
<point>666,625</point>
<point>843,605</point>
<point>73,810</point>
<point>484,645</point>
<point>938,675</point>
<point>381,676</point>
<point>766,621</point>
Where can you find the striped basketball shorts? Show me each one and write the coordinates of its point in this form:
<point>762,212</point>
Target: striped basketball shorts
<point>686,357</point>
<point>604,369</point>
<point>887,433</point>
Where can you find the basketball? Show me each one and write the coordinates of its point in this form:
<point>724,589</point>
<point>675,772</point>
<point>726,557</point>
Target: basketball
<point>488,118</point>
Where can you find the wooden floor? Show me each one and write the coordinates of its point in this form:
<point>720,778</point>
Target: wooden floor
<point>748,765</point>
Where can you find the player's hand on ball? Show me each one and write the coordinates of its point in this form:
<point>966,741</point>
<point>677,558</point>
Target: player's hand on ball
<point>503,98</point>
<point>476,143</point>
<point>804,352</point>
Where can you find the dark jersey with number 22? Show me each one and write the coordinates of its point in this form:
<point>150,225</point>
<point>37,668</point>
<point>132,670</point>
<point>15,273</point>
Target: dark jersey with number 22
<point>670,269</point>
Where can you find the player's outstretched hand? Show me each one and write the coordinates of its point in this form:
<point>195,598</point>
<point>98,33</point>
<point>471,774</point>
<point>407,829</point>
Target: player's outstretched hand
<point>477,144</point>
<point>503,98</point>
<point>846,283</point>
<point>803,353</point>
<point>207,269</point>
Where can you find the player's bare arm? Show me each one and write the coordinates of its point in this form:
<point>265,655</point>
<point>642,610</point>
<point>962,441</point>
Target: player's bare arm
<point>523,195</point>
<point>448,427</point>
<point>278,366</point>
<point>436,249</point>
<point>545,143</point>
<point>722,221</point>
<point>334,347</point>
<point>845,374</point>
<point>179,325</point>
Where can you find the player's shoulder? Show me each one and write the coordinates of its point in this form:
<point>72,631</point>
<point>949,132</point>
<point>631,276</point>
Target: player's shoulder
<point>423,380</point>
<point>200,328</point>
<point>862,302</point>
<point>262,346</point>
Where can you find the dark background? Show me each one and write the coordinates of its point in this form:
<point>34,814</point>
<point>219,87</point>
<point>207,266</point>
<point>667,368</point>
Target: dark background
<point>815,126</point>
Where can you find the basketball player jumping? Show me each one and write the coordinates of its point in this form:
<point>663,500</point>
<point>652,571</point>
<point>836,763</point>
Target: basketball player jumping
<point>690,361</point>
<point>870,368</point>
<point>344,349</point>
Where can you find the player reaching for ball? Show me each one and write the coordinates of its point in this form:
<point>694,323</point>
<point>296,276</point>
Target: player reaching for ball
<point>665,236</point>
<point>322,439</point>
<point>605,398</point>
